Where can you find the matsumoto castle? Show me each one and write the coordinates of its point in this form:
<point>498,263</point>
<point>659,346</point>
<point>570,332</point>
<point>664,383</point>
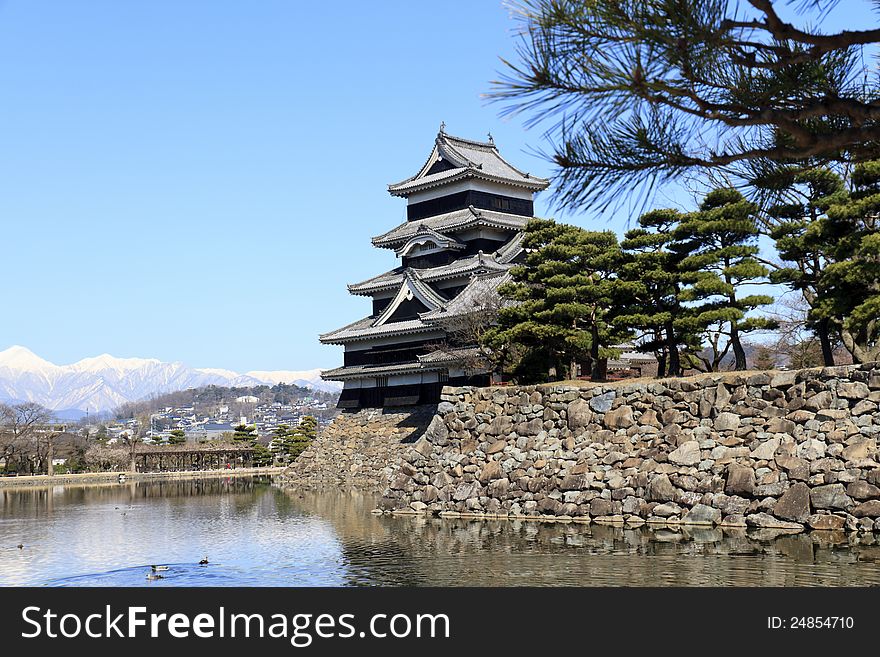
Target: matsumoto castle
<point>466,211</point>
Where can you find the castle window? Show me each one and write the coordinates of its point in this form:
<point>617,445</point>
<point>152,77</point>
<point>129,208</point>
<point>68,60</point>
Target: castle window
<point>499,203</point>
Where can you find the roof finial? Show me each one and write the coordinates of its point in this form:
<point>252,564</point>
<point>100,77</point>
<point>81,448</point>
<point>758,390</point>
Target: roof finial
<point>442,127</point>
<point>491,141</point>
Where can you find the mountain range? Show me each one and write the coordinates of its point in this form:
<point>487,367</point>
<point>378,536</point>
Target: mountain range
<point>104,382</point>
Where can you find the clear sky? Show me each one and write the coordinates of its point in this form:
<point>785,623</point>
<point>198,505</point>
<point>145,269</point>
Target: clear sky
<point>198,180</point>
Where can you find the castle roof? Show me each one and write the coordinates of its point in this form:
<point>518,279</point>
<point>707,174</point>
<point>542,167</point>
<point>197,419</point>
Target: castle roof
<point>425,234</point>
<point>471,299</point>
<point>364,371</point>
<point>454,158</point>
<point>451,222</point>
<point>365,329</point>
<point>462,267</point>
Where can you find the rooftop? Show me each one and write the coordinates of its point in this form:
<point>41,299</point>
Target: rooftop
<point>466,266</point>
<point>474,297</point>
<point>451,222</point>
<point>365,329</point>
<point>464,158</point>
<point>362,371</point>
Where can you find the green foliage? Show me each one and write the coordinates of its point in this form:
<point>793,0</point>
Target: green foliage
<point>262,456</point>
<point>244,433</point>
<point>849,285</point>
<point>290,443</point>
<point>566,291</point>
<point>674,280</point>
<point>651,281</point>
<point>718,250</point>
<point>640,92</point>
<point>798,226</point>
<point>177,437</point>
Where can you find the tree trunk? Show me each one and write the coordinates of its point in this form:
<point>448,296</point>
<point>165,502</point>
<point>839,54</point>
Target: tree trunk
<point>661,365</point>
<point>598,366</point>
<point>739,354</point>
<point>823,330</point>
<point>50,456</point>
<point>672,351</point>
<point>861,351</point>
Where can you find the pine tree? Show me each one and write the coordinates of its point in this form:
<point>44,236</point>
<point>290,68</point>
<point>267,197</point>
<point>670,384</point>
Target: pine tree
<point>565,292</point>
<point>290,443</point>
<point>638,92</point>
<point>177,437</point>
<point>797,225</point>
<point>262,456</point>
<point>651,282</point>
<point>308,427</point>
<point>244,434</point>
<point>718,248</point>
<point>849,287</point>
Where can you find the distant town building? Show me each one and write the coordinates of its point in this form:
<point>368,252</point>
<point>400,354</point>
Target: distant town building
<point>466,210</point>
<point>215,430</point>
<point>247,399</point>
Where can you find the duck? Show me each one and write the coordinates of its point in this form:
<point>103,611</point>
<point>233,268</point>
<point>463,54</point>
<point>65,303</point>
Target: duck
<point>20,546</point>
<point>204,562</point>
<point>154,576</point>
<point>157,569</point>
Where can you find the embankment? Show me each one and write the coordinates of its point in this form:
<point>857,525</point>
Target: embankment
<point>788,450</point>
<point>359,449</point>
<point>90,478</point>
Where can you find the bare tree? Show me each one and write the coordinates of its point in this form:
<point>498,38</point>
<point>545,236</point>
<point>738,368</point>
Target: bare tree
<point>710,358</point>
<point>468,324</point>
<point>796,341</point>
<point>133,440</point>
<point>19,427</point>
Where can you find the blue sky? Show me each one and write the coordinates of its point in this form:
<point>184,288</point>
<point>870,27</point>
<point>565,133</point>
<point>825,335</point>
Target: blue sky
<point>198,180</point>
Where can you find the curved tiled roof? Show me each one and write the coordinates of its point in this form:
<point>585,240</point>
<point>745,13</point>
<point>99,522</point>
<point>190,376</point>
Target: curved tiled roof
<point>427,234</point>
<point>364,371</point>
<point>468,300</point>
<point>451,222</point>
<point>449,355</point>
<point>363,329</point>
<point>411,287</point>
<point>508,253</point>
<point>461,267</point>
<point>468,159</point>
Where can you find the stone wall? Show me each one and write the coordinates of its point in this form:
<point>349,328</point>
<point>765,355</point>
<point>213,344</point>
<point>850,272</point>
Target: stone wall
<point>358,449</point>
<point>790,450</point>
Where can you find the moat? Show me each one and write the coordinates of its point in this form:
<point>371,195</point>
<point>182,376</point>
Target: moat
<point>255,534</point>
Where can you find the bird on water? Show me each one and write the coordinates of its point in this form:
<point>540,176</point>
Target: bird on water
<point>156,569</point>
<point>204,562</point>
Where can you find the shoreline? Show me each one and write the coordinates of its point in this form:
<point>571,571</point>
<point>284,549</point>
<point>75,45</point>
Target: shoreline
<point>89,478</point>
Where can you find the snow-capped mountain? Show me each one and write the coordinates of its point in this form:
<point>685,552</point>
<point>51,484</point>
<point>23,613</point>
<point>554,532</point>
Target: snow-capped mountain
<point>104,382</point>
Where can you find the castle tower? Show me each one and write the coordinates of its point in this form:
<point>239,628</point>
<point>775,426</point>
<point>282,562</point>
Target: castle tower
<point>466,210</point>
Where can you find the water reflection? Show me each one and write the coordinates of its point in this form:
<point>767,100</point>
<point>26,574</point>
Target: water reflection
<point>259,535</point>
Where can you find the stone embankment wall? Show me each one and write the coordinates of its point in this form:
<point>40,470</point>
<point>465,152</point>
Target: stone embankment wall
<point>788,450</point>
<point>359,449</point>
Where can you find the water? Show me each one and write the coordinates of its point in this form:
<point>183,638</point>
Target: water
<point>256,535</point>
